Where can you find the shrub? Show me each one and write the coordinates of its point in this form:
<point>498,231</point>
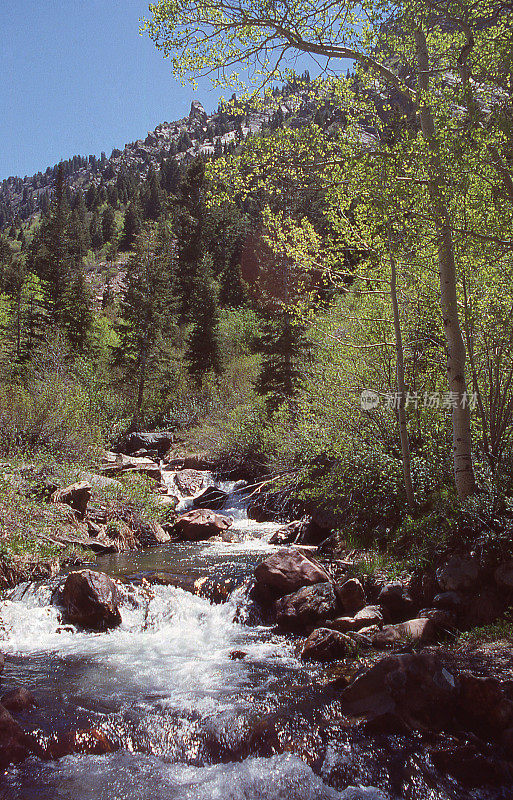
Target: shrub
<point>51,418</point>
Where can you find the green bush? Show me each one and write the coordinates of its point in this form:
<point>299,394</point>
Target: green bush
<point>51,418</point>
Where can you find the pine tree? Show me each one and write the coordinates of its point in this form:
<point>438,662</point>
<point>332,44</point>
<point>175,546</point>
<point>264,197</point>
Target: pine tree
<point>76,318</point>
<point>284,346</point>
<point>131,225</point>
<point>147,310</point>
<point>151,194</point>
<point>202,353</point>
<point>95,230</point>
<point>108,224</point>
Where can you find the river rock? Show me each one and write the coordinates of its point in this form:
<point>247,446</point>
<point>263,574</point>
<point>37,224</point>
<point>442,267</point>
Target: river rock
<point>2,662</point>
<point>200,524</point>
<point>415,631</point>
<point>351,596</point>
<point>13,745</point>
<point>114,464</point>
<point>307,606</point>
<point>288,534</point>
<point>396,599</point>
<point>85,742</point>
<point>460,572</point>
<point>77,496</point>
<point>19,699</point>
<point>470,767</point>
<point>450,601</point>
<point>91,600</point>
<point>443,620</point>
<point>484,700</point>
<point>504,575</point>
<point>325,644</point>
<point>149,533</point>
<point>287,571</point>
<point>189,481</point>
<point>211,497</point>
<point>417,688</point>
<point>160,441</point>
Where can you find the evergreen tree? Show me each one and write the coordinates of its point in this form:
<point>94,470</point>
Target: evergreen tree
<point>202,352</point>
<point>131,225</point>
<point>95,230</point>
<point>77,315</point>
<point>146,311</point>
<point>108,224</point>
<point>151,195</point>
<point>284,346</point>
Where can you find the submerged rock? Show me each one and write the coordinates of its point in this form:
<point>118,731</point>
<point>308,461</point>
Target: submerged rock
<point>19,699</point>
<point>91,600</point>
<point>13,745</point>
<point>287,571</point>
<point>200,524</point>
<point>307,606</point>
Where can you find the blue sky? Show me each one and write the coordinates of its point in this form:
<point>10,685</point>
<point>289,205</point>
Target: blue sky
<point>77,78</point>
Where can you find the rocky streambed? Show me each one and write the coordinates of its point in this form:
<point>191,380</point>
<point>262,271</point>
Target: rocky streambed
<point>235,668</point>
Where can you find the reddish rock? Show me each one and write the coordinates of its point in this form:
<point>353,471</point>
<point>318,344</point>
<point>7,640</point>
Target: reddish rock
<point>306,607</point>
<point>86,742</point>
<point>19,699</point>
<point>343,624</point>
<point>443,620</point>
<point>200,524</point>
<point>289,570</point>
<point>91,600</point>
<point>13,745</point>
<point>77,496</point>
<point>351,596</point>
<point>415,631</point>
<point>417,688</point>
<point>395,598</point>
<point>470,767</point>
<point>370,615</point>
<point>325,644</point>
<point>484,700</point>
<point>189,481</point>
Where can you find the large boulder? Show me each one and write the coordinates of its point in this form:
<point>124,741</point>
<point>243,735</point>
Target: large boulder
<point>351,595</point>
<point>77,496</point>
<point>200,524</point>
<point>325,644</point>
<point>149,533</point>
<point>189,481</point>
<point>460,572</point>
<point>415,631</point>
<point>287,571</point>
<point>211,497</point>
<point>13,745</point>
<point>504,576</point>
<point>417,688</point>
<point>84,742</point>
<point>91,600</point>
<point>306,607</point>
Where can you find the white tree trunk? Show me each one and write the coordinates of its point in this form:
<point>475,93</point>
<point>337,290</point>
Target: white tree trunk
<point>462,440</point>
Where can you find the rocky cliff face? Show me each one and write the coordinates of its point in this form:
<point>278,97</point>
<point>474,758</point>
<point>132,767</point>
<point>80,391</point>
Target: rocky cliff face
<point>199,133</point>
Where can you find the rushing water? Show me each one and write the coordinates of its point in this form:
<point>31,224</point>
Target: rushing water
<point>192,721</point>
